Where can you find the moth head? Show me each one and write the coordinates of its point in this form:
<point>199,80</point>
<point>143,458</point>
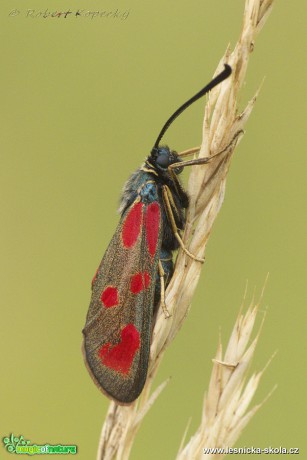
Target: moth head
<point>162,157</point>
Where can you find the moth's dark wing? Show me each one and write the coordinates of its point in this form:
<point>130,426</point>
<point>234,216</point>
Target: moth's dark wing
<point>117,332</point>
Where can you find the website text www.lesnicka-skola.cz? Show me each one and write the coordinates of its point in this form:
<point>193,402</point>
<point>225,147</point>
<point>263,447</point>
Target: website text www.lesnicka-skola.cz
<point>252,450</point>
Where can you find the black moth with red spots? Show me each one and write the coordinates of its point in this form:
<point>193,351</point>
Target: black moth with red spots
<point>126,287</point>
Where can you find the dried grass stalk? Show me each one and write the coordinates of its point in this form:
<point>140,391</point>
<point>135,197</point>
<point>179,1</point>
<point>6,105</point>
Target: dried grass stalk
<point>225,405</point>
<point>222,130</point>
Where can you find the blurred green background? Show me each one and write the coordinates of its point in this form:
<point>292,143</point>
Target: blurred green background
<point>82,102</point>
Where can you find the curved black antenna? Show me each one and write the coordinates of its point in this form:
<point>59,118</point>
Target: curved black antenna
<point>218,79</point>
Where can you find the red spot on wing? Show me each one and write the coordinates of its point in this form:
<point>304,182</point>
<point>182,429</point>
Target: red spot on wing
<point>152,223</point>
<point>120,357</point>
<point>132,225</point>
<point>139,282</point>
<point>109,297</point>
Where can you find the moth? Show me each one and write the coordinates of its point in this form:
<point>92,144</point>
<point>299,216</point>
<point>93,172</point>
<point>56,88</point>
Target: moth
<point>137,266</point>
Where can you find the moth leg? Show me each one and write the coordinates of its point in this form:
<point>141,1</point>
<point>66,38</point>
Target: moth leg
<point>162,293</point>
<point>205,160</point>
<point>168,199</point>
<point>188,152</point>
